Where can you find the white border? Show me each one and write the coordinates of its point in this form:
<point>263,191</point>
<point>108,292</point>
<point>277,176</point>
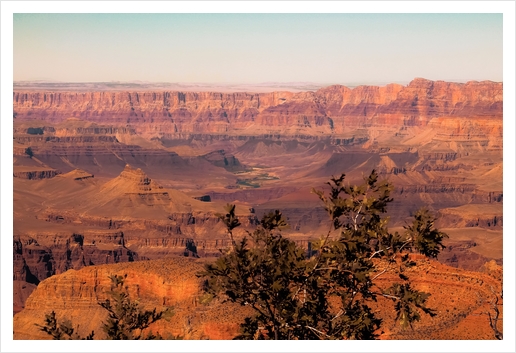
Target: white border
<point>9,7</point>
<point>257,7</point>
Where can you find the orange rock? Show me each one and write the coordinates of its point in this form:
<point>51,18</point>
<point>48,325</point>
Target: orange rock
<point>461,300</point>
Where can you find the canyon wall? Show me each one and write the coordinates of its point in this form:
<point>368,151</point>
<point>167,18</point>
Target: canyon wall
<point>439,143</point>
<point>330,110</point>
<point>39,257</point>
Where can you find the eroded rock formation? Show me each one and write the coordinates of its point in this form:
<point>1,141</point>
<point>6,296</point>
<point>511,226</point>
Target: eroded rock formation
<point>459,297</point>
<point>36,260</point>
<point>330,110</point>
<point>439,143</point>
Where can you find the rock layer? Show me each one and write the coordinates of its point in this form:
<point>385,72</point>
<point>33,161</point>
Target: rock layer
<point>331,110</point>
<point>36,260</point>
<point>439,143</point>
<point>459,298</point>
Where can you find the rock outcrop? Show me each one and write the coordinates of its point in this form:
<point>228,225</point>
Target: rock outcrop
<point>459,298</point>
<point>156,284</point>
<point>224,160</point>
<point>35,174</point>
<point>39,257</point>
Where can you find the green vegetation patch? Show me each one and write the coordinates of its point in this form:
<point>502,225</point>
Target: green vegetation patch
<point>247,182</point>
<point>35,130</point>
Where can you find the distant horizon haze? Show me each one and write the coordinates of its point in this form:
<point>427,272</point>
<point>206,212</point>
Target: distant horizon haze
<point>260,87</point>
<point>250,48</point>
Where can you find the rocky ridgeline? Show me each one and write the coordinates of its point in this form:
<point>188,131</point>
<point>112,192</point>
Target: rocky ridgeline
<point>65,139</point>
<point>206,138</point>
<point>106,156</point>
<point>183,223</point>
<point>67,131</point>
<point>460,254</point>
<point>36,174</point>
<point>463,220</point>
<point>165,247</point>
<point>436,188</point>
<point>330,110</point>
<point>39,257</point>
<point>449,187</point>
<point>94,130</point>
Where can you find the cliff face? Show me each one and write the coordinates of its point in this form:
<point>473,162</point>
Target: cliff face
<point>157,284</point>
<point>35,174</point>
<point>459,298</point>
<point>37,258</point>
<point>332,109</point>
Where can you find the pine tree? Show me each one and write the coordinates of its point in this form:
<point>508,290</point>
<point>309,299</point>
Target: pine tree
<point>325,296</point>
<point>126,320</point>
<point>62,330</point>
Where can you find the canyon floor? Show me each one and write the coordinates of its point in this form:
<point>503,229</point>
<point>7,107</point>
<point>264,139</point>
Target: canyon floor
<point>111,181</point>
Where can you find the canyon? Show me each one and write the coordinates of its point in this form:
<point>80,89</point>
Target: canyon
<point>109,180</point>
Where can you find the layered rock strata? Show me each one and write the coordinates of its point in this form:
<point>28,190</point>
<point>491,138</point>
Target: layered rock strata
<point>329,110</point>
<point>35,174</point>
<point>39,257</point>
<point>459,298</point>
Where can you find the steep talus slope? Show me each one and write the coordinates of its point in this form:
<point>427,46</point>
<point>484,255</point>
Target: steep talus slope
<point>459,297</point>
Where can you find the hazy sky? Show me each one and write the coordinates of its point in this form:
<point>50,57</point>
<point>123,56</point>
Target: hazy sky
<point>256,48</point>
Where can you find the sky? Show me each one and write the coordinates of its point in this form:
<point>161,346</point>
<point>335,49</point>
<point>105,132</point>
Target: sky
<point>257,48</point>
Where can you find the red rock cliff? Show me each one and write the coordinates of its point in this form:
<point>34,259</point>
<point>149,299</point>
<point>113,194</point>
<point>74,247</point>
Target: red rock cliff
<point>460,299</point>
<point>331,109</point>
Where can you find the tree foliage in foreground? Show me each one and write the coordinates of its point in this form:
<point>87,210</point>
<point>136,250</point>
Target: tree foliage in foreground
<point>326,296</point>
<point>126,320</point>
<point>61,330</point>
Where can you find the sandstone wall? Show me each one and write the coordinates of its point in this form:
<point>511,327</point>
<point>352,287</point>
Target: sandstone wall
<point>39,257</point>
<point>459,298</point>
<point>330,110</point>
<point>156,284</point>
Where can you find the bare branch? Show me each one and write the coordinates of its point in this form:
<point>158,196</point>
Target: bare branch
<point>317,331</point>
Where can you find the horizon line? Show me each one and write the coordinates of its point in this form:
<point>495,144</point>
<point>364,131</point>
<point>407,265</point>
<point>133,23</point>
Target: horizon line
<point>301,85</point>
